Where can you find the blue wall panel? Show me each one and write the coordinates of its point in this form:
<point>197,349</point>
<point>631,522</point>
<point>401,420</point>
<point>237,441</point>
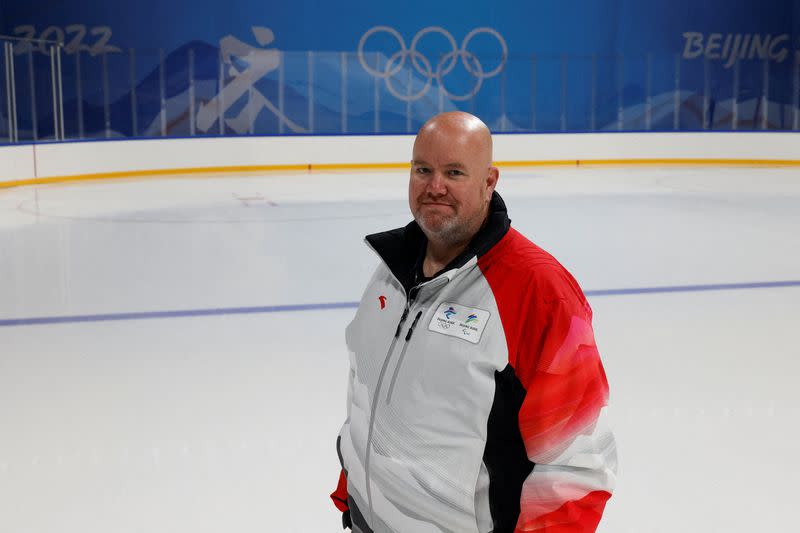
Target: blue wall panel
<point>152,68</point>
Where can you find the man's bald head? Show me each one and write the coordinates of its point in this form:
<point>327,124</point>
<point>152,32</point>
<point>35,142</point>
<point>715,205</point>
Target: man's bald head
<point>452,178</point>
<point>461,128</point>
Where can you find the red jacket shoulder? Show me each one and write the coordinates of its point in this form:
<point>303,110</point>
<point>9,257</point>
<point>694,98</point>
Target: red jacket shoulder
<point>533,271</point>
<point>531,288</point>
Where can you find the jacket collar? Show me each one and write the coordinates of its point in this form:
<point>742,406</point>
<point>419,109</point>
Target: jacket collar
<point>403,248</point>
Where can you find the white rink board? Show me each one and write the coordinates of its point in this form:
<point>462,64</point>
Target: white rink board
<point>96,157</point>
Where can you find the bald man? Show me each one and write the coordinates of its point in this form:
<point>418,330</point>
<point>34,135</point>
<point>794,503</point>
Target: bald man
<point>476,395</point>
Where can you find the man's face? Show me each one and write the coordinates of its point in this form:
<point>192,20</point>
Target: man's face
<point>450,184</point>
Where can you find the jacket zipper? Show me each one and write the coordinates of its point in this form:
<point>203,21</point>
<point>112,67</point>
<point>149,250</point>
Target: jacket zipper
<point>409,300</point>
<point>401,357</point>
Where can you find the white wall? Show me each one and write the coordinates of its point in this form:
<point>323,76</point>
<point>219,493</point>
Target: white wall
<point>16,162</point>
<point>82,158</point>
<point>605,146</point>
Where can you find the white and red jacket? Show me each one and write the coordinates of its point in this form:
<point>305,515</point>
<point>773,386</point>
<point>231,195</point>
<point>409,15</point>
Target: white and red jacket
<point>476,399</point>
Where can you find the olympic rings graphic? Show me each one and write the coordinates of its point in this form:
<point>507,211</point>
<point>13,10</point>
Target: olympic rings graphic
<point>423,66</point>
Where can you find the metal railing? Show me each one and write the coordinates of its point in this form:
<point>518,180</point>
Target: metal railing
<point>14,93</point>
<point>54,93</point>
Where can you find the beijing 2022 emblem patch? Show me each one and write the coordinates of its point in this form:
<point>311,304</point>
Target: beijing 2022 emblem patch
<point>455,320</point>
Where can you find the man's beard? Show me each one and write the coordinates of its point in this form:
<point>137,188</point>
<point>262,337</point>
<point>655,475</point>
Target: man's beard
<point>451,231</point>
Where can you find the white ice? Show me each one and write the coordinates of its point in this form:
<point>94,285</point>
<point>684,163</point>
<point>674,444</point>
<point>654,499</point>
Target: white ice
<point>229,422</point>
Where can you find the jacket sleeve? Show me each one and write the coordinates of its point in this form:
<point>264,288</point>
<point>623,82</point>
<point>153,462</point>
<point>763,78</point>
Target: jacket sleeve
<point>339,496</point>
<point>562,422</point>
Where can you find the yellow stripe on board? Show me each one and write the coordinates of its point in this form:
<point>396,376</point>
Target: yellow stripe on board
<point>321,167</point>
<point>704,162</point>
<point>653,162</point>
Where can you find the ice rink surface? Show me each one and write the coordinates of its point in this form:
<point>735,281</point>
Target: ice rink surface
<point>153,379</point>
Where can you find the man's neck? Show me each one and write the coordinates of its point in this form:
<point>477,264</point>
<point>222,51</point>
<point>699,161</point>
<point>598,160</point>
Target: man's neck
<point>439,255</point>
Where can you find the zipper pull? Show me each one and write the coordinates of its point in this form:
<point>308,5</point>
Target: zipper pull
<point>400,324</point>
<point>412,294</point>
<point>411,329</point>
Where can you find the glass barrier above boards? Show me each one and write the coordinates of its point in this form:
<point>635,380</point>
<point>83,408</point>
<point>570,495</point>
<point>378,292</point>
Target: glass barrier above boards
<point>54,90</point>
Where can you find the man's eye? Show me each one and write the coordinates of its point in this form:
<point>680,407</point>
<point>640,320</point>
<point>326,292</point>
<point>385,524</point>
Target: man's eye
<point>455,172</point>
<point>422,170</point>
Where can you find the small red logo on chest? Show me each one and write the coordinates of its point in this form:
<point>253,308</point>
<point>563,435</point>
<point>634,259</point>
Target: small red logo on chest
<point>382,300</point>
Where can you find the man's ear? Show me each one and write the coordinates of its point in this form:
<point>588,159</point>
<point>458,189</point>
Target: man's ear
<point>491,181</point>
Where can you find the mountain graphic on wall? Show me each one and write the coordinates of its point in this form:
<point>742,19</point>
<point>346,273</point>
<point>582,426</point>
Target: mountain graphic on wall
<point>140,112</point>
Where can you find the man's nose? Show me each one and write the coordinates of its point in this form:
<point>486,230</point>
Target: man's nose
<point>437,185</point>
